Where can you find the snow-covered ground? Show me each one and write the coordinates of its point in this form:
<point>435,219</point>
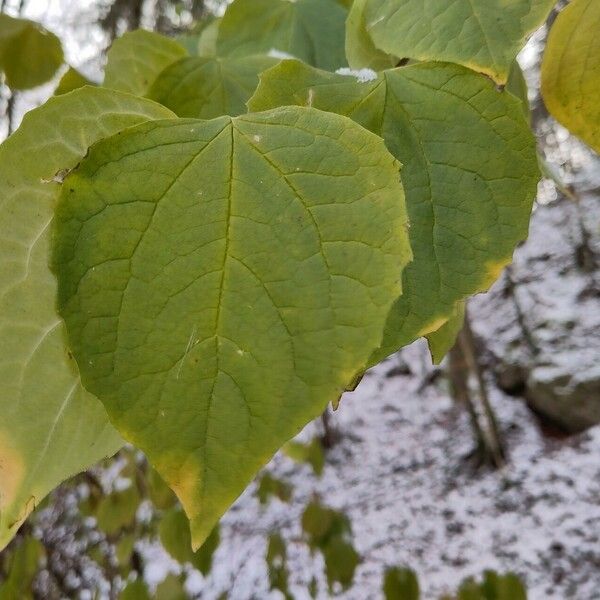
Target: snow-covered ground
<point>400,472</point>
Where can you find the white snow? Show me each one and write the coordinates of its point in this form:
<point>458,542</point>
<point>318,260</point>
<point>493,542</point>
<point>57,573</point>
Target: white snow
<point>361,75</point>
<point>274,53</point>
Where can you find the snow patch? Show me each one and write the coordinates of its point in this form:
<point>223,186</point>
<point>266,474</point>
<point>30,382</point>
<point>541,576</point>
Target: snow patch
<point>280,54</point>
<point>361,75</point>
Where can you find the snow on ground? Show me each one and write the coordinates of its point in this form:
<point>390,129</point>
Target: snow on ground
<point>401,473</point>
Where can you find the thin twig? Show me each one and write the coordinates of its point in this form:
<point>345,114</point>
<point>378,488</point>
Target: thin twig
<point>492,432</point>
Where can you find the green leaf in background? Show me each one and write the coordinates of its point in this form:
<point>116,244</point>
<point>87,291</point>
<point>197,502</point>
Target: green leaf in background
<point>174,532</point>
<point>50,428</point>
<point>117,510</point>
<point>507,586</point>
<point>311,454</point>
<point>360,50</point>
<point>207,40</point>
<point>172,588</point>
<point>203,40</point>
<point>341,560</point>
<point>135,590</point>
<point>223,280</point>
<point>400,584</point>
<point>29,54</point>
<point>469,590</point>
<point>484,35</point>
<point>22,569</point>
<point>124,549</point>
<point>310,30</point>
<point>206,88</point>
<point>270,486</point>
<point>517,86</point>
<point>495,586</point>
<point>136,59</point>
<point>277,564</point>
<point>321,524</point>
<point>571,70</point>
<point>71,80</point>
<point>159,492</point>
<point>441,341</point>
<point>330,532</point>
<point>470,174</point>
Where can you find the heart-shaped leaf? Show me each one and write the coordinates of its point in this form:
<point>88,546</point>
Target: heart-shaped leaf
<point>206,88</point>
<point>223,280</point>
<point>470,174</point>
<point>136,59</point>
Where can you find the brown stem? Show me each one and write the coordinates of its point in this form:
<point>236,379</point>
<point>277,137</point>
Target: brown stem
<point>458,373</point>
<point>511,288</point>
<point>329,434</point>
<point>10,111</point>
<point>492,439</point>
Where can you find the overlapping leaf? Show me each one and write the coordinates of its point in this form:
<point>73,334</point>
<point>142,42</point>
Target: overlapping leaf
<point>29,54</point>
<point>205,88</point>
<point>571,70</point>
<point>71,80</point>
<point>174,531</point>
<point>311,30</point>
<point>136,59</point>
<point>203,40</point>
<point>50,427</point>
<point>360,49</point>
<point>470,174</point>
<point>484,35</point>
<point>223,280</point>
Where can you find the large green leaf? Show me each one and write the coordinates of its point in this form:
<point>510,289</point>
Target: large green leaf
<point>205,88</point>
<point>311,30</point>
<point>571,70</point>
<point>470,173</point>
<point>136,59</point>
<point>29,54</point>
<point>50,427</point>
<point>223,280</point>
<point>484,35</point>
